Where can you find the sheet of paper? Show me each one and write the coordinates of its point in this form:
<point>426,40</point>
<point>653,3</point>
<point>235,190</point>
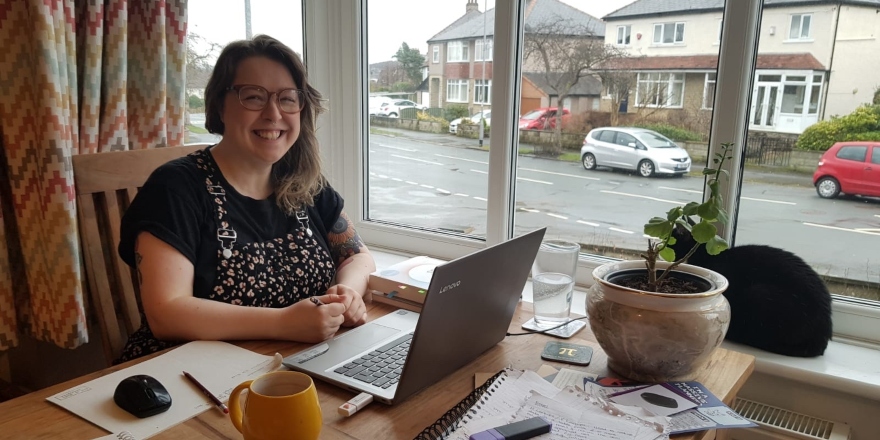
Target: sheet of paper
<point>568,377</point>
<point>219,366</point>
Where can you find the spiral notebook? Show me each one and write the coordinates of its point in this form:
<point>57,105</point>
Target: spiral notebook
<point>514,395</point>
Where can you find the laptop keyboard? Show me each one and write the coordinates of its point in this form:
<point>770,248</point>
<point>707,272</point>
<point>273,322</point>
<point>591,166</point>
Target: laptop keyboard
<point>380,367</point>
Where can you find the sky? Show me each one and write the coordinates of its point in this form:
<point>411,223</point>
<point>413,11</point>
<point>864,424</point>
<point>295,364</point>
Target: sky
<point>390,22</point>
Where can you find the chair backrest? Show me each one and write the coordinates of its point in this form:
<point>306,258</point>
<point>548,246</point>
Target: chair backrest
<point>105,185</point>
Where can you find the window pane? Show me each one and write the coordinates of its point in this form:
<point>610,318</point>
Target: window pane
<point>211,25</point>
<point>780,206</point>
<point>605,208</point>
<point>875,155</point>
<point>426,170</point>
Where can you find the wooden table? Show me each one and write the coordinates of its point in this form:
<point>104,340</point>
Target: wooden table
<point>31,416</point>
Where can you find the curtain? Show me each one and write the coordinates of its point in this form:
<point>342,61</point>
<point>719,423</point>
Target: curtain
<point>76,77</point>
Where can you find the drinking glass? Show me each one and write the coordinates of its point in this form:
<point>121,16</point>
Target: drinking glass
<point>553,277</point>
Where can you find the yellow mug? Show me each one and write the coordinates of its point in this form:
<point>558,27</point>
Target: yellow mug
<point>279,405</point>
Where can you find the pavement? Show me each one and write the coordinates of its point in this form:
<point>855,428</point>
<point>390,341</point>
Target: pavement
<point>767,175</point>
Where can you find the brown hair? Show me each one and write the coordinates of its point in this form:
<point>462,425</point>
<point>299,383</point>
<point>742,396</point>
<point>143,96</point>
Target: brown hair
<point>297,177</point>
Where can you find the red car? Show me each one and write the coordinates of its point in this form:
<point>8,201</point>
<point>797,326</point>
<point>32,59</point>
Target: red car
<point>542,118</point>
<point>851,168</point>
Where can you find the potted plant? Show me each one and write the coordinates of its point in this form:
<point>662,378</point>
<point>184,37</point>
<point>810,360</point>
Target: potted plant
<point>660,320</point>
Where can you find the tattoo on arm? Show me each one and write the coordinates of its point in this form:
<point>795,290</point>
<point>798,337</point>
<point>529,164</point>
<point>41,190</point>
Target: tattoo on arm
<point>344,240</point>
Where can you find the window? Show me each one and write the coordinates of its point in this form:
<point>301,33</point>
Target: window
<point>436,54</point>
<point>483,52</point>
<point>875,155</point>
<point>623,34</point>
<point>800,27</point>
<point>856,153</point>
<point>449,219</point>
<point>625,139</point>
<point>668,33</point>
<point>793,98</point>
<point>815,94</point>
<point>660,89</point>
<point>482,90</point>
<point>457,90</point>
<point>709,91</point>
<point>606,136</point>
<point>456,51</point>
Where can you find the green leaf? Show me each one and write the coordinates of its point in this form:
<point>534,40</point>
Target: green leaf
<point>671,241</point>
<point>691,208</point>
<point>723,217</point>
<point>716,245</point>
<point>708,211</point>
<point>708,171</point>
<point>658,227</point>
<point>667,254</point>
<point>703,232</point>
<point>674,213</point>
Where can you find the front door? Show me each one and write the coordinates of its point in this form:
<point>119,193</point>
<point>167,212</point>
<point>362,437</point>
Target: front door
<point>764,105</point>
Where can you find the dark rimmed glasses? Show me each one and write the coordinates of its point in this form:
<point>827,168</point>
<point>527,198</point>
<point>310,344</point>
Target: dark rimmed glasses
<point>256,98</point>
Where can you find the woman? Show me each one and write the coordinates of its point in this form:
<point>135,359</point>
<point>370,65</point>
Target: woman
<point>247,222</point>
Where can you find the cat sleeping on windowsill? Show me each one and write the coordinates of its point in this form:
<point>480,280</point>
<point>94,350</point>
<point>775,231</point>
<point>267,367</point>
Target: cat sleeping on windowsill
<point>778,303</point>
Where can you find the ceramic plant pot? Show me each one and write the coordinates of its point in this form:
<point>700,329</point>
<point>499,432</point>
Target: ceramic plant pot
<point>656,337</point>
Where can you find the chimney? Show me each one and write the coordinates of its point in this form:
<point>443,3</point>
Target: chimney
<point>472,6</point>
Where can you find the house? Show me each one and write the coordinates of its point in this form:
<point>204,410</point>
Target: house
<point>460,61</point>
<point>810,64</point>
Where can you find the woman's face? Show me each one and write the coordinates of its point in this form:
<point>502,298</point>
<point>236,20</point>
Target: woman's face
<point>261,135</point>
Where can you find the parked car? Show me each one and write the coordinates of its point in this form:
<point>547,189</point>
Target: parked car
<point>393,108</point>
<point>631,148</point>
<point>475,118</point>
<point>376,102</point>
<point>541,118</point>
<point>851,168</point>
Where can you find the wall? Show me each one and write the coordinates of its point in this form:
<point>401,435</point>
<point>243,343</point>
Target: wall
<point>821,31</point>
<point>700,34</point>
<point>853,75</point>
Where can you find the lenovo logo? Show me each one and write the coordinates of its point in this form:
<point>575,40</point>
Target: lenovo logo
<point>450,286</point>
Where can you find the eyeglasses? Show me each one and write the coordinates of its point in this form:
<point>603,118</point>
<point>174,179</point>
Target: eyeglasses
<point>256,98</point>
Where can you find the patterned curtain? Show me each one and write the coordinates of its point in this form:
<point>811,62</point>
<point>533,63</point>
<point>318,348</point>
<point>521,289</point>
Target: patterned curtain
<point>76,77</point>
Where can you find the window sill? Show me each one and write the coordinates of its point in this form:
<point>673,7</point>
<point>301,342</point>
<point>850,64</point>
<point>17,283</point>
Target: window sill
<point>845,368</point>
<point>800,40</point>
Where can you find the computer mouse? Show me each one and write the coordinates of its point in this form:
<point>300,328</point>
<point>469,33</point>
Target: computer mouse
<point>142,396</point>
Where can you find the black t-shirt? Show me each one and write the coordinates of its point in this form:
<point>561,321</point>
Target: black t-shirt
<point>174,205</point>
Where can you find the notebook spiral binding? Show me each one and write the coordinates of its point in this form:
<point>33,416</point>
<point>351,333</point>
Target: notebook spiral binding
<point>449,421</point>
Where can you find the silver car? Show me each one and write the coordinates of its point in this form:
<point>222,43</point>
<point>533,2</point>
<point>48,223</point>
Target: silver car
<point>631,148</point>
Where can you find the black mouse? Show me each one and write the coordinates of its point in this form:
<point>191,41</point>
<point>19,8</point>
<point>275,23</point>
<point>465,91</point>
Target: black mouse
<point>142,396</point>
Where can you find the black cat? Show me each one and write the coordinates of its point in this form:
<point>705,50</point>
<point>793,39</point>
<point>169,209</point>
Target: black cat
<point>778,303</point>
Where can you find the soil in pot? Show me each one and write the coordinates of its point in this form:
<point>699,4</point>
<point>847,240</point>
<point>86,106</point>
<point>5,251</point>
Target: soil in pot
<point>676,282</point>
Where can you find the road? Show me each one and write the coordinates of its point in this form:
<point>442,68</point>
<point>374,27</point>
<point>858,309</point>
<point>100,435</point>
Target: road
<point>437,181</point>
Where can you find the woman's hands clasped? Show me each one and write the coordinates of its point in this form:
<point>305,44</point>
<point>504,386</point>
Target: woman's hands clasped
<point>308,322</point>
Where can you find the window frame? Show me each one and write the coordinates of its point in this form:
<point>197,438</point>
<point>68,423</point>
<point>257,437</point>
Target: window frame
<point>627,37</point>
<point>706,94</point>
<point>478,49</point>
<point>801,16</point>
<point>338,68</point>
<point>458,84</point>
<point>435,56</point>
<point>487,94</point>
<point>459,48</point>
<point>662,26</point>
<point>670,83</point>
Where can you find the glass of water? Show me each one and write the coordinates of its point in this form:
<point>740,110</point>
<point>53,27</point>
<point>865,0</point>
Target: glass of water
<point>553,277</point>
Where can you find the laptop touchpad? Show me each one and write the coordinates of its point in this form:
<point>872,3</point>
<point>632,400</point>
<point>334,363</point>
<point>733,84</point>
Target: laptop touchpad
<point>365,336</point>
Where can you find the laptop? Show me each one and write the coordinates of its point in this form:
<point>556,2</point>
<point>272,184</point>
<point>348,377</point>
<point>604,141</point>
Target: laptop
<point>467,310</point>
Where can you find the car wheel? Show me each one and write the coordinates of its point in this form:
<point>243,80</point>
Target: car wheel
<point>589,161</point>
<point>646,168</point>
<point>828,188</point>
<point>392,115</point>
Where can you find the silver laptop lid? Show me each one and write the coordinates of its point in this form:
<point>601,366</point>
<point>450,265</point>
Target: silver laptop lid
<point>467,310</point>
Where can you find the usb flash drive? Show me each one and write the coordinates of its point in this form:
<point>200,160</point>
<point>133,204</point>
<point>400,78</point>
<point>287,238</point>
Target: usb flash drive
<point>354,405</point>
<point>521,430</point>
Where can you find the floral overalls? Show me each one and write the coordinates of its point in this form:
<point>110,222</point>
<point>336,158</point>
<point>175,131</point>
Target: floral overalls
<point>274,273</point>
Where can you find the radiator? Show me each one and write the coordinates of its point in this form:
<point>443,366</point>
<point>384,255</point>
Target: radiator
<point>781,424</point>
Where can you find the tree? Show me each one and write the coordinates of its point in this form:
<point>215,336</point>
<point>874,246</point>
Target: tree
<point>411,61</point>
<point>564,51</point>
<point>619,85</point>
<point>200,56</point>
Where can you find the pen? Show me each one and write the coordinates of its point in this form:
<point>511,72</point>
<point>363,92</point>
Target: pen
<point>220,405</point>
<point>316,301</point>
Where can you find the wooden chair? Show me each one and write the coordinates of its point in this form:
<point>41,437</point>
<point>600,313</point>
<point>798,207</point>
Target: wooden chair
<point>105,185</point>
